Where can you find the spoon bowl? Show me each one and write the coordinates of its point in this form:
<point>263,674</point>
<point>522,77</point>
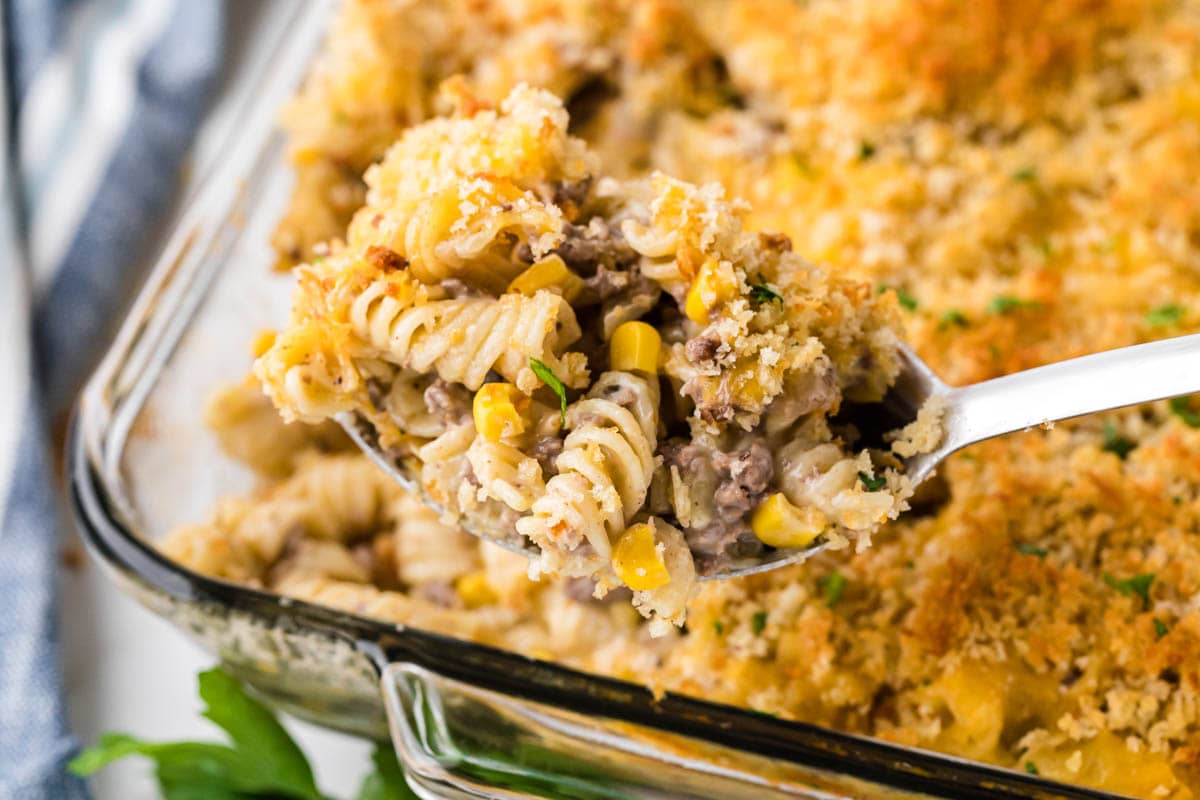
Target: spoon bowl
<point>1037,397</point>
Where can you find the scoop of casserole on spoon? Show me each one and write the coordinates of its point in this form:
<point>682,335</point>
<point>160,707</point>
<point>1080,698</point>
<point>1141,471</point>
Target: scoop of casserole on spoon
<point>962,415</point>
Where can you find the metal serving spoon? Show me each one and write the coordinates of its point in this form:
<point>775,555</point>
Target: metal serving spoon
<point>1020,401</point>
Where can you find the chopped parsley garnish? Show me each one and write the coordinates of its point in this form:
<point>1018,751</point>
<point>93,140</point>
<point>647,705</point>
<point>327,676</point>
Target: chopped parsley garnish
<point>1032,550</point>
<point>802,165</point>
<point>833,585</point>
<point>872,484</point>
<point>1177,500</point>
<point>762,293</point>
<point>1181,408</point>
<point>546,376</point>
<point>1031,768</point>
<point>730,96</point>
<point>1003,303</point>
<point>758,622</point>
<point>1116,443</point>
<point>1138,584</point>
<point>953,317</point>
<point>1160,628</point>
<point>1026,174</point>
<point>719,627</point>
<point>906,300</point>
<point>865,151</point>
<point>1164,315</point>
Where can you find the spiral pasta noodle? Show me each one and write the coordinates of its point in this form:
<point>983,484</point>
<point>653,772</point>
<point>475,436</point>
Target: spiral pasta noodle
<point>604,473</point>
<point>505,473</point>
<point>468,232</point>
<point>426,550</point>
<point>344,496</point>
<point>442,462</point>
<point>463,339</point>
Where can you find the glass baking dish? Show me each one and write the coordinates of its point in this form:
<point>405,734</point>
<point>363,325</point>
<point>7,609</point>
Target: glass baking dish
<point>466,720</point>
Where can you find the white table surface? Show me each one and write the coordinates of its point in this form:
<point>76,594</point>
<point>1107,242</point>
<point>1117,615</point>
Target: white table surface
<point>127,670</point>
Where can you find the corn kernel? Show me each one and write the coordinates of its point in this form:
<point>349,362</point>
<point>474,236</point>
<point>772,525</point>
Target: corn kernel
<point>499,411</point>
<point>708,290</point>
<point>549,273</point>
<point>305,155</point>
<point>475,590</point>
<point>780,524</point>
<point>262,342</point>
<point>634,348</point>
<point>637,560</point>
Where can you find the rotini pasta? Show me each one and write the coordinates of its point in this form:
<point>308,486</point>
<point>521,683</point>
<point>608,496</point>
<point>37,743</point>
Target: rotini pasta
<point>426,551</point>
<point>249,429</point>
<point>442,242</point>
<point>506,474</point>
<point>464,339</point>
<point>342,496</point>
<point>604,472</point>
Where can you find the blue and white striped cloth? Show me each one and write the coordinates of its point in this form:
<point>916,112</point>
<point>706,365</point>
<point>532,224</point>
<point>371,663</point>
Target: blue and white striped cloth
<point>101,98</point>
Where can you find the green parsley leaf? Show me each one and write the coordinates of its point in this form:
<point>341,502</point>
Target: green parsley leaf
<point>1032,550</point>
<point>872,484</point>
<point>1031,768</point>
<point>1025,174</point>
<point>262,759</point>
<point>719,627</point>
<point>1182,408</point>
<point>758,622</point>
<point>1116,443</point>
<point>1164,315</point>
<point>729,96</point>
<point>802,165</point>
<point>953,317</point>
<point>833,585</point>
<point>256,732</point>
<point>1137,585</point>
<point>1160,628</point>
<point>1177,500</point>
<point>547,376</point>
<point>865,151</point>
<point>762,293</point>
<point>386,782</point>
<point>905,299</point>
<point>1002,304</point>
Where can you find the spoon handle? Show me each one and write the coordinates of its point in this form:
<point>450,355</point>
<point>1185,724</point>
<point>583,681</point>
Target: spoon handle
<point>1112,379</point>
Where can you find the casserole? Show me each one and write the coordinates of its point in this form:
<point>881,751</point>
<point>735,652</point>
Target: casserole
<point>467,720</point>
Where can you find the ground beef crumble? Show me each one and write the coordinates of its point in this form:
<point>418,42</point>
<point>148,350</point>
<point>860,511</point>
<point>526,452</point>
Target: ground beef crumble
<point>440,593</point>
<point>741,480</point>
<point>586,248</point>
<point>546,450</point>
<point>449,402</point>
<point>582,590</point>
<point>376,393</point>
<point>702,349</point>
<point>745,477</point>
